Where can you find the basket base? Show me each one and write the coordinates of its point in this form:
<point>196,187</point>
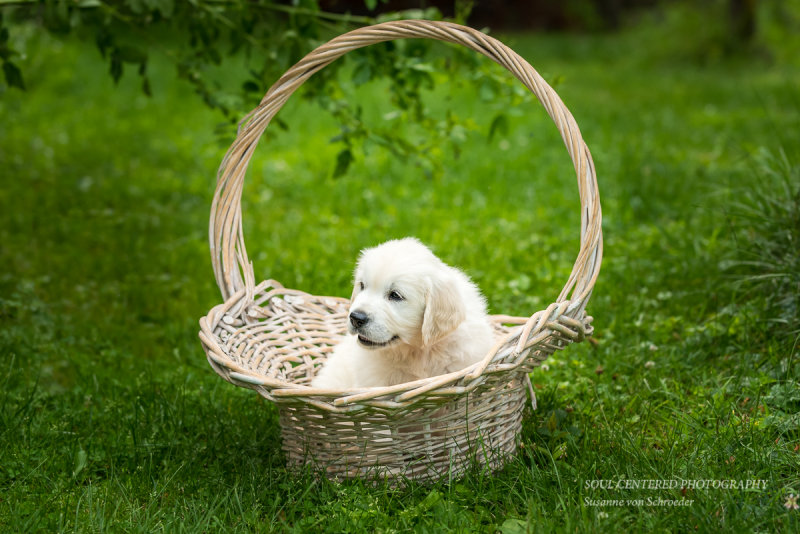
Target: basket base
<point>425,443</point>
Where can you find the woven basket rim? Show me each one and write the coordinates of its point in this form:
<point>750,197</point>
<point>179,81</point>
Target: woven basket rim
<point>509,352</point>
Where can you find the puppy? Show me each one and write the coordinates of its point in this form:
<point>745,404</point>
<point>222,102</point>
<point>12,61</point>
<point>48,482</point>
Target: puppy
<point>411,316</point>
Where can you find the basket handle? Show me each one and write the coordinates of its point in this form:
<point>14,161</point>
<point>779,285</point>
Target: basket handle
<point>233,270</point>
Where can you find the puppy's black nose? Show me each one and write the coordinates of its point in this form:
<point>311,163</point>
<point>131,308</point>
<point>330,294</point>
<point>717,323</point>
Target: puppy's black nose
<point>358,318</point>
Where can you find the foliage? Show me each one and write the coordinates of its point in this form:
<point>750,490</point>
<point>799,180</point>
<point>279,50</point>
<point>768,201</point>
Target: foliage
<point>766,256</point>
<point>265,36</point>
<point>710,31</point>
<point>195,36</point>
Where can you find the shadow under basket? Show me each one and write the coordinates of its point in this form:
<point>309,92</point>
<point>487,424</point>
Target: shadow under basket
<point>274,339</point>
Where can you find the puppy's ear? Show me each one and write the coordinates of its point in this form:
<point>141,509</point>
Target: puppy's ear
<point>444,310</point>
<point>357,274</point>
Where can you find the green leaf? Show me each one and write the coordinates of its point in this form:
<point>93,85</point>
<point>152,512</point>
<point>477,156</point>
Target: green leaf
<point>167,8</point>
<point>343,161</point>
<point>130,54</point>
<point>251,87</point>
<point>499,125</point>
<point>556,80</point>
<point>418,66</point>
<point>430,500</point>
<point>13,75</point>
<point>514,526</point>
<point>371,4</point>
<point>115,68</point>
<point>80,462</point>
<point>104,40</point>
<point>280,123</point>
<point>552,422</point>
<point>362,73</point>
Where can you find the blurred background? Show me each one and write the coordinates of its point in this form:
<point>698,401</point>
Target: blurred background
<point>576,15</point>
<point>115,115</point>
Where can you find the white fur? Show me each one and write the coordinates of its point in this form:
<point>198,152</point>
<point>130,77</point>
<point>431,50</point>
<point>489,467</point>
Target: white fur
<point>439,326</point>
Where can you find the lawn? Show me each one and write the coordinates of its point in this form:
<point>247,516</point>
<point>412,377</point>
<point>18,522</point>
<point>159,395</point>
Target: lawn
<point>111,418</point>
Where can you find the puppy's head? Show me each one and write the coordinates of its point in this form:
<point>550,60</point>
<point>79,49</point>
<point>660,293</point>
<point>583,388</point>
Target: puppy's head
<point>403,294</point>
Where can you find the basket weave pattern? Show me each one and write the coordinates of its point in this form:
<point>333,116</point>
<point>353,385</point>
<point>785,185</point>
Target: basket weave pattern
<point>274,339</point>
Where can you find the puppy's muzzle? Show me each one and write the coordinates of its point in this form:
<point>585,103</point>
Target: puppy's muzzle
<point>358,319</point>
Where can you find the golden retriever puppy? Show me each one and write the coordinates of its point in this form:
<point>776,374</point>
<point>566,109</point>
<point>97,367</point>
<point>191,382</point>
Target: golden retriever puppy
<point>411,316</point>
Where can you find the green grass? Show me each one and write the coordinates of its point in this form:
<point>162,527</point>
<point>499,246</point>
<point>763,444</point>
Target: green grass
<point>111,419</point>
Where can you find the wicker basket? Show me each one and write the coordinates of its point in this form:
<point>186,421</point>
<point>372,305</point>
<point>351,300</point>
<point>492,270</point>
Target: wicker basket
<point>273,339</point>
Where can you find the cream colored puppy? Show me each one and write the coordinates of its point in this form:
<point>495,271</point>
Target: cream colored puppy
<point>411,316</point>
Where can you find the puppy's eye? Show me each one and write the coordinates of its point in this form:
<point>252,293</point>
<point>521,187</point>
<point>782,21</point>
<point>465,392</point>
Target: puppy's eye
<point>360,286</point>
<point>394,295</point>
